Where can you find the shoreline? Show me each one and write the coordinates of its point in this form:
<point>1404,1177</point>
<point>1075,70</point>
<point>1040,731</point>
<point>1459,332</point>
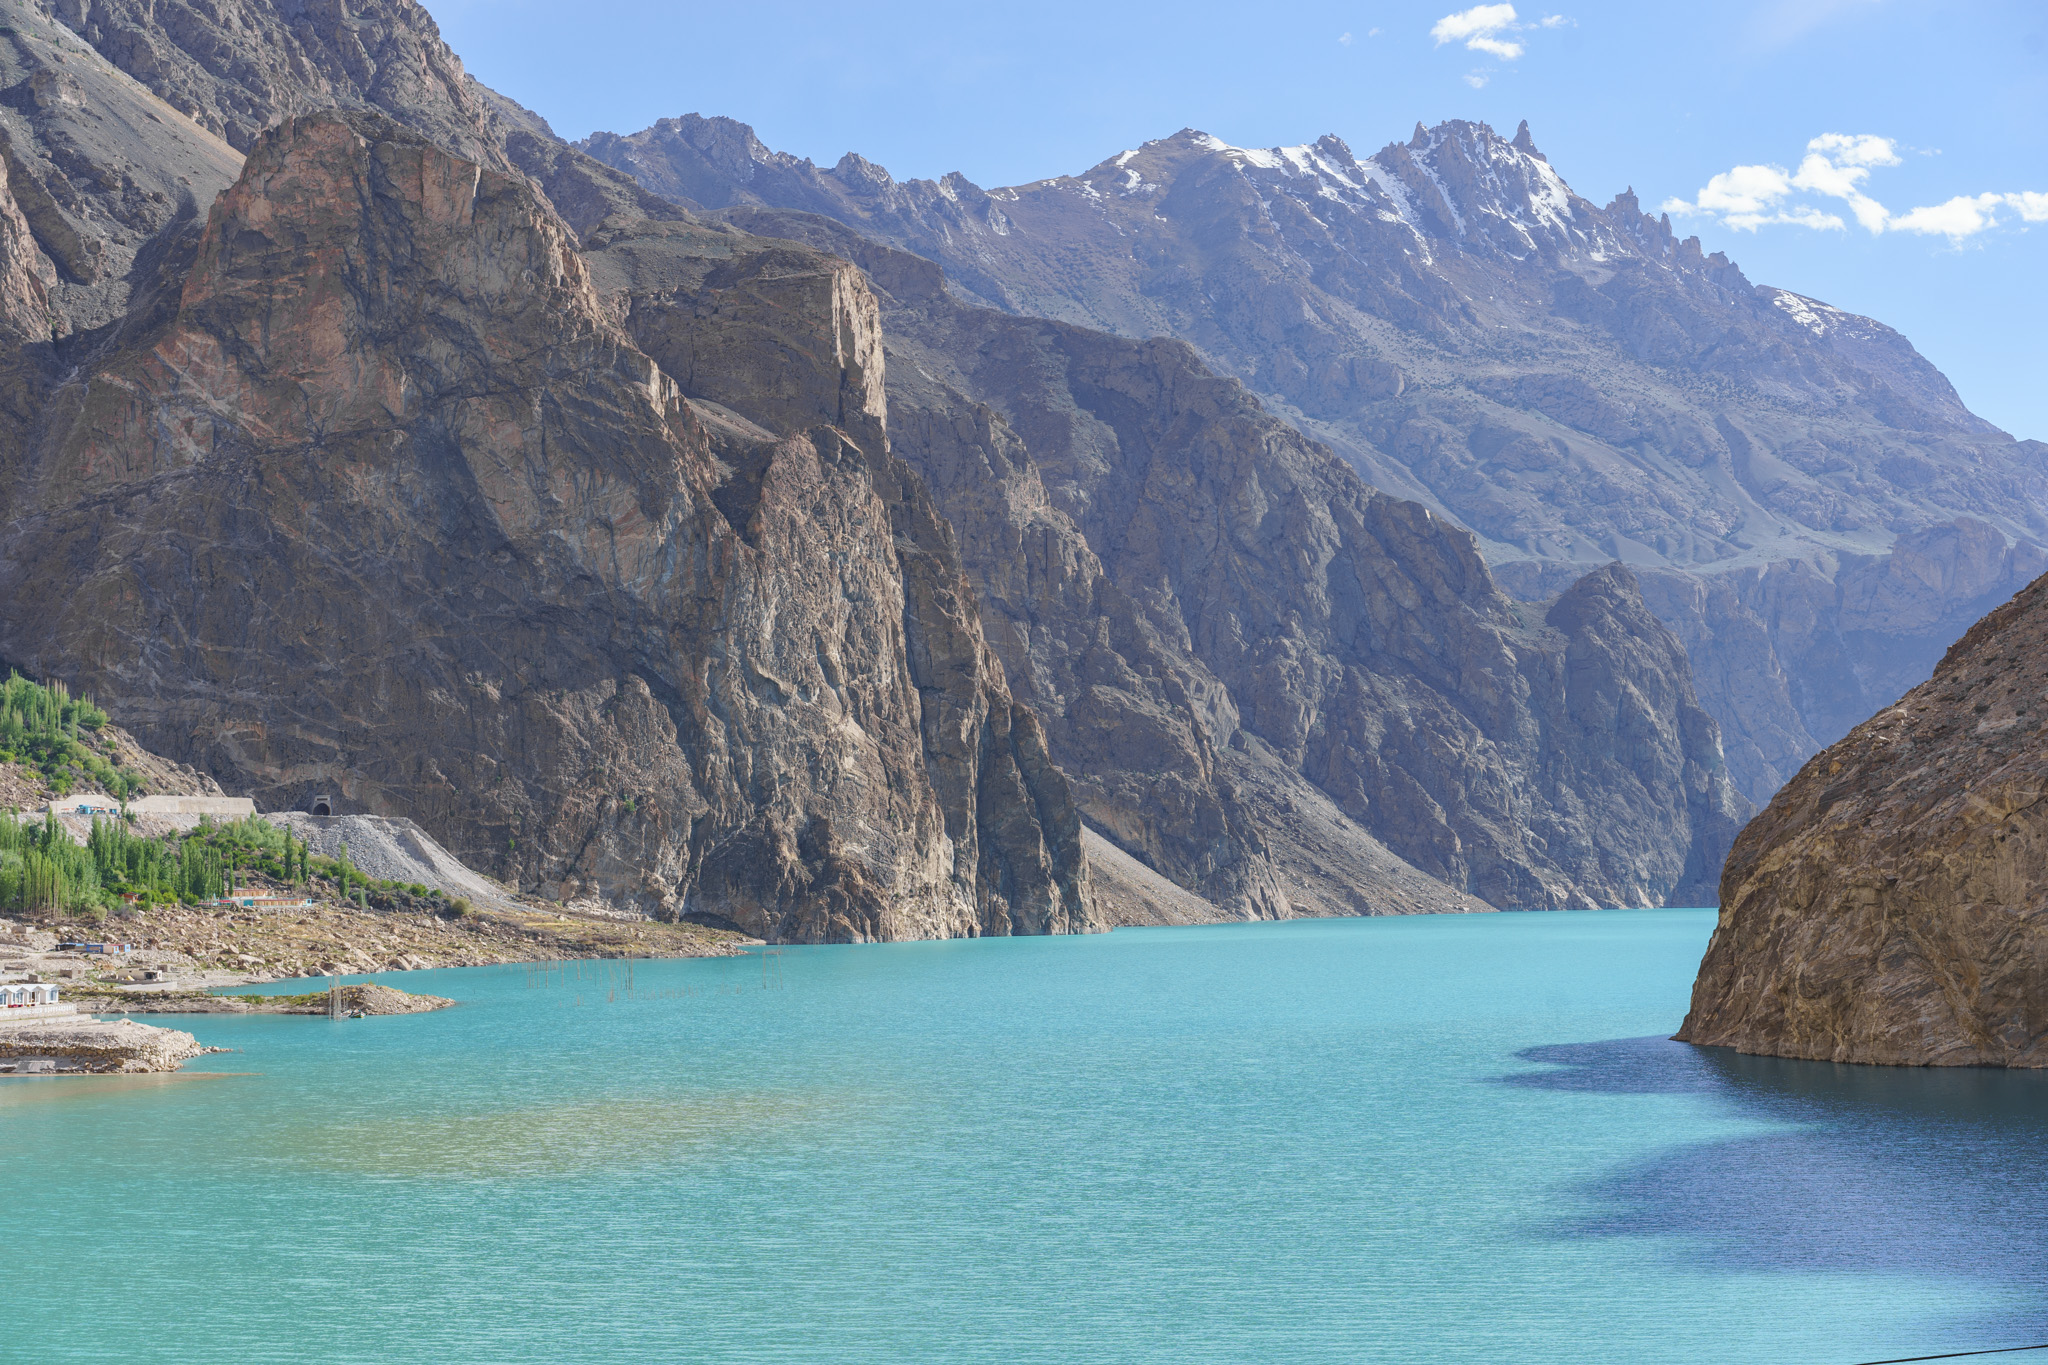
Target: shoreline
<point>186,952</point>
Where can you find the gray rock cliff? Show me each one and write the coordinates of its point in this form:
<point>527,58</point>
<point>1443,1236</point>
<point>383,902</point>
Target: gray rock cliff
<point>1275,685</point>
<point>1573,384</point>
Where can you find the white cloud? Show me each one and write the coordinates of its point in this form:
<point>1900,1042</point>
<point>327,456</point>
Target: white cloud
<point>1800,215</point>
<point>1856,149</point>
<point>1477,79</point>
<point>1837,166</point>
<point>1479,29</point>
<point>1966,215</point>
<point>1556,21</point>
<point>2032,207</point>
<point>1744,190</point>
<point>1344,39</point>
<point>1372,33</point>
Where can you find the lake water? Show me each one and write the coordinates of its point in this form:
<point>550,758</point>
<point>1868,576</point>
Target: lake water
<point>1458,1139</point>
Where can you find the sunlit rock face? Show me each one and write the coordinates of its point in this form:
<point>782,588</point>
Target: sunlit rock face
<point>1888,906</point>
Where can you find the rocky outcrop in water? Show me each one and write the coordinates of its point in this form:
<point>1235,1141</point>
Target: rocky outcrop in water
<point>82,1043</point>
<point>1891,904</point>
<point>384,501</point>
<point>1574,384</point>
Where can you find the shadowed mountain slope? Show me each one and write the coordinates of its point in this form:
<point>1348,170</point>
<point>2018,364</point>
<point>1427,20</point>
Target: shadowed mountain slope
<point>1572,383</point>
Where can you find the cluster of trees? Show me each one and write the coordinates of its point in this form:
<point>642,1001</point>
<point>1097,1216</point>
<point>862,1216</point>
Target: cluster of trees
<point>43,870</point>
<point>57,734</point>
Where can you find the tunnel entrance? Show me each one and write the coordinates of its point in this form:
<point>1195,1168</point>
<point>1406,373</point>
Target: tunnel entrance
<point>323,806</point>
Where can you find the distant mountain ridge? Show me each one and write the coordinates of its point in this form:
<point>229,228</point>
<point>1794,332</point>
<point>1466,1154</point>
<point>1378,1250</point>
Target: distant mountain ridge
<point>1574,384</point>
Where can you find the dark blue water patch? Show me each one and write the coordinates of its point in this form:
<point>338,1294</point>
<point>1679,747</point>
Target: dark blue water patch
<point>1883,1171</point>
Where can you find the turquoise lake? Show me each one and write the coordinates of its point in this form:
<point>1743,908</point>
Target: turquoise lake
<point>1459,1139</point>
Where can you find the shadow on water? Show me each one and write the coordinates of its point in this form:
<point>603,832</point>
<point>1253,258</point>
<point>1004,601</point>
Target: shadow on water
<point>1926,1172</point>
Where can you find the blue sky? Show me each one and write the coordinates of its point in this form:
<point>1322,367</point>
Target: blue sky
<point>1877,154</point>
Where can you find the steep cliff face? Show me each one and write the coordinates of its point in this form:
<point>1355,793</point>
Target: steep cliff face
<point>236,67</point>
<point>384,502</point>
<point>1280,688</point>
<point>1891,905</point>
<point>105,176</point>
<point>1574,384</point>
<point>25,276</point>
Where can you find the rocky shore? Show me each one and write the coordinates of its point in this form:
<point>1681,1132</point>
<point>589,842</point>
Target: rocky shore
<point>189,950</point>
<point>92,1045</point>
<point>357,998</point>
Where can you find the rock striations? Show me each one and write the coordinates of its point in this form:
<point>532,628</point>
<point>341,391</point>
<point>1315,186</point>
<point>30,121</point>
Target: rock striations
<point>1891,905</point>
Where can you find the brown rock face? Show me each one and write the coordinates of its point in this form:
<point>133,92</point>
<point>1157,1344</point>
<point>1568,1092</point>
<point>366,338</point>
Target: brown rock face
<point>1891,905</point>
<point>1287,692</point>
<point>24,274</point>
<point>389,506</point>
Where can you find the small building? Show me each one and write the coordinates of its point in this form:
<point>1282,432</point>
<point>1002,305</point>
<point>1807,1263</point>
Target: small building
<point>243,901</point>
<point>22,995</point>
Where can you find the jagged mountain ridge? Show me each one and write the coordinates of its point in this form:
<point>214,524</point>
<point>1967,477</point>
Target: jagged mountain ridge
<point>238,67</point>
<point>1574,384</point>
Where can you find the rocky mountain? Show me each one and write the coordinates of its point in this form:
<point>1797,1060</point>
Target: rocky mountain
<point>1808,504</point>
<point>373,495</point>
<point>237,67</point>
<point>1889,905</point>
<point>1272,683</point>
<point>672,560</point>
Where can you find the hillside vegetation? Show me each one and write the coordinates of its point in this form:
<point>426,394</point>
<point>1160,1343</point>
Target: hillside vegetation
<point>63,738</point>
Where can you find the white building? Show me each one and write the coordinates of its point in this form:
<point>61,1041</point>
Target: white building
<point>22,994</point>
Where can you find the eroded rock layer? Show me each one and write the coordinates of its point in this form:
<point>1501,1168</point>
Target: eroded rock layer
<point>1891,904</point>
